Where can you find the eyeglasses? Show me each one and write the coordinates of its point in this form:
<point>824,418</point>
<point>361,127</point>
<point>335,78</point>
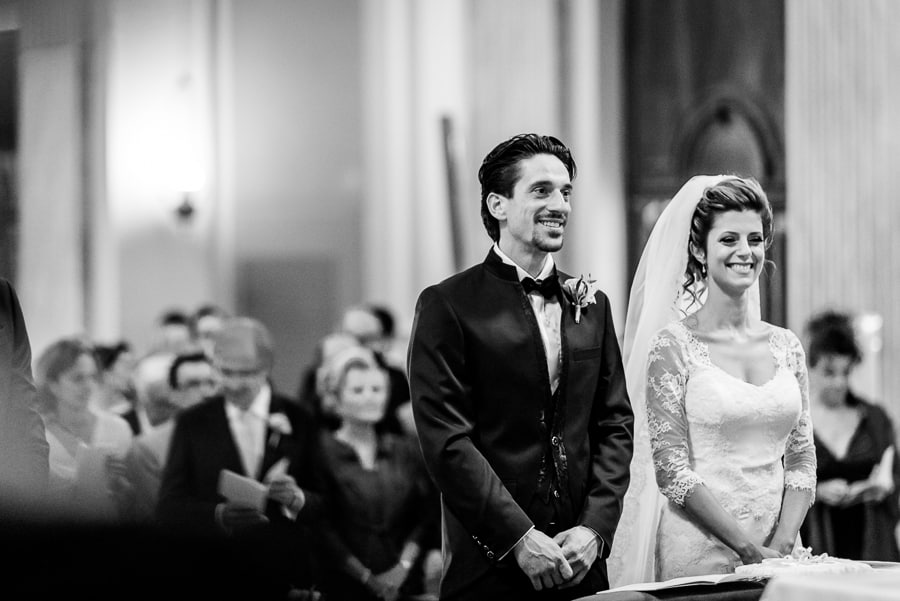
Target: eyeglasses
<point>227,372</point>
<point>199,383</point>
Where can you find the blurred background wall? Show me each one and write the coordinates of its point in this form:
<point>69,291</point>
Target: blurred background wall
<point>289,158</point>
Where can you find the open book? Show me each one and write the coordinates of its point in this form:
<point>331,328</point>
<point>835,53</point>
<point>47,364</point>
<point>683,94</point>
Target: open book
<point>682,581</point>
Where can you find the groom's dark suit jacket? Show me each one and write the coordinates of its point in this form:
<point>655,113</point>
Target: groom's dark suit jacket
<point>23,443</point>
<point>202,446</point>
<point>489,429</point>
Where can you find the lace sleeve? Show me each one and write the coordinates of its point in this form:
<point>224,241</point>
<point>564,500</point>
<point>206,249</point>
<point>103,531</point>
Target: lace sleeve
<point>666,382</point>
<point>800,450</point>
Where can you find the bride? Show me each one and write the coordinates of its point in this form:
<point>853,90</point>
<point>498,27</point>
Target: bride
<point>722,425</point>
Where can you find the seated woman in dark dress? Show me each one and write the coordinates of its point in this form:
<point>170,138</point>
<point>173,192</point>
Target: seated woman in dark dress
<point>856,511</point>
<point>381,507</point>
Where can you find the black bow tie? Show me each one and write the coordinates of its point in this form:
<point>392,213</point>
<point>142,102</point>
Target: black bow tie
<point>548,287</point>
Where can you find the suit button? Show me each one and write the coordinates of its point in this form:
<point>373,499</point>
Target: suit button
<point>490,555</point>
<point>555,440</point>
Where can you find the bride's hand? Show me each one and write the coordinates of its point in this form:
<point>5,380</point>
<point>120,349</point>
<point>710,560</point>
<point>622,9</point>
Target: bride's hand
<point>756,553</point>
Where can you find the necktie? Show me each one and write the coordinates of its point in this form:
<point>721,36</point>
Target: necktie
<point>548,287</point>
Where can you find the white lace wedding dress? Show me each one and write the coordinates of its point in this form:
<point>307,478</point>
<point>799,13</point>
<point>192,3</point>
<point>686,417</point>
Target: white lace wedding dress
<point>745,443</point>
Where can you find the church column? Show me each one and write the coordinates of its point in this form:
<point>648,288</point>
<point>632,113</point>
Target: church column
<point>843,209</point>
<point>53,184</point>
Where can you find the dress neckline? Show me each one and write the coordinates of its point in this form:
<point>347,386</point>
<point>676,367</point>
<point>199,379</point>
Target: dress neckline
<point>703,351</point>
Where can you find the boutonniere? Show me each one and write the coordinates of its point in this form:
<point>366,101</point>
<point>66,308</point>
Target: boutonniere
<point>279,425</point>
<point>581,292</point>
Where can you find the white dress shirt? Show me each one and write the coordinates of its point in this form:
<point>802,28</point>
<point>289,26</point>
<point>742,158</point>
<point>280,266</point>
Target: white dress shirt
<point>249,429</point>
<point>548,313</point>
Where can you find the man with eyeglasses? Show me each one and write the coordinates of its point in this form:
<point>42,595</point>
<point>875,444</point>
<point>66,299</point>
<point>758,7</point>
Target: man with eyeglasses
<point>250,431</point>
<point>170,385</point>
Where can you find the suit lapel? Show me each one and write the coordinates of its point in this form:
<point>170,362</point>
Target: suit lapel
<point>272,440</point>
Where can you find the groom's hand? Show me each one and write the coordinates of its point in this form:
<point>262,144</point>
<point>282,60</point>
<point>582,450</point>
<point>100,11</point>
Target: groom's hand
<point>580,546</point>
<point>542,560</point>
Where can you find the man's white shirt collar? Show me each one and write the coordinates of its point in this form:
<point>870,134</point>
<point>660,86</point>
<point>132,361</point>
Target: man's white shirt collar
<point>546,270</point>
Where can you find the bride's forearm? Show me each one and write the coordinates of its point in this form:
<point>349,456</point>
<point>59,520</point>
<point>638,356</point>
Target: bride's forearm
<point>704,509</point>
<point>793,511</point>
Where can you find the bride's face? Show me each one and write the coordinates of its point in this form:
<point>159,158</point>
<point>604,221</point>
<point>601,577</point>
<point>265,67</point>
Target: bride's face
<point>735,251</point>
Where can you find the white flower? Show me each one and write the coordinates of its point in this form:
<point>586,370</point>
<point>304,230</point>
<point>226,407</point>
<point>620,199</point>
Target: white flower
<point>581,292</point>
<point>280,423</point>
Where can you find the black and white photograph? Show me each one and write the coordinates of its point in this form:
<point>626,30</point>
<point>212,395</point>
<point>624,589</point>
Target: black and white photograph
<point>450,300</point>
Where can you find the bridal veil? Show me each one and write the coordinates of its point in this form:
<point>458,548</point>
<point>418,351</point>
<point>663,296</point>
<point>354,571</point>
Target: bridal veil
<point>656,299</point>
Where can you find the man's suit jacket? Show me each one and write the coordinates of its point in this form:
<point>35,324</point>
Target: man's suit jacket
<point>23,443</point>
<point>202,446</point>
<point>272,557</point>
<point>145,460</point>
<point>486,420</point>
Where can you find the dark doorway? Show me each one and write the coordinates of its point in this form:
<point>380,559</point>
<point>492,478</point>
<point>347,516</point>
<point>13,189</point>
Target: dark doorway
<point>705,95</point>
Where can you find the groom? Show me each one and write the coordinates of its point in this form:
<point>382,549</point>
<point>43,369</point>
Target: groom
<point>519,397</point>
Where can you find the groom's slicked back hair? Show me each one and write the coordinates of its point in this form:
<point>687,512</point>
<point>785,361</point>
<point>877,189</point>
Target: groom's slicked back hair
<point>499,171</point>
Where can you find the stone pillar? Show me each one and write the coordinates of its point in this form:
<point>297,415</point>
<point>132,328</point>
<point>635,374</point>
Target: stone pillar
<point>843,152</point>
<point>596,240</point>
<point>53,245</point>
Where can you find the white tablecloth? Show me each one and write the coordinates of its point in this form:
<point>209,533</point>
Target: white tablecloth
<point>879,585</point>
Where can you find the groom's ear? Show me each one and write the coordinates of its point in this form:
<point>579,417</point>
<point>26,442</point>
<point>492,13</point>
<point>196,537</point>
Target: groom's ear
<point>496,205</point>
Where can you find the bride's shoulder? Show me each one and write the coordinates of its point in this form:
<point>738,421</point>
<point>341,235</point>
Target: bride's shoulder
<point>674,331</point>
<point>770,329</point>
<point>781,337</point>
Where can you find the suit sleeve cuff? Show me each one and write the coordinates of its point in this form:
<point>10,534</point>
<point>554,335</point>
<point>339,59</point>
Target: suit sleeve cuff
<point>516,543</point>
<point>601,543</point>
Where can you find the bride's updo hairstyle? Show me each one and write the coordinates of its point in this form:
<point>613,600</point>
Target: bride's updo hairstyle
<point>732,194</point>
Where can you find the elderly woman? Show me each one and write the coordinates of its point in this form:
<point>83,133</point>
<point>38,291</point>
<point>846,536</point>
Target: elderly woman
<point>87,445</point>
<point>380,503</point>
<point>856,497</point>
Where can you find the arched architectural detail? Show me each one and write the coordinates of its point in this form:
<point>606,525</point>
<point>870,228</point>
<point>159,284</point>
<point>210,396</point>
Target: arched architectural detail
<point>730,132</point>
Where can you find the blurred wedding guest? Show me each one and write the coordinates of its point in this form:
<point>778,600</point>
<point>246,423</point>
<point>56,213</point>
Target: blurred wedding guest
<point>150,405</point>
<point>313,394</point>
<point>205,322</point>
<point>376,489</point>
<point>87,445</point>
<point>393,348</point>
<point>175,383</point>
<point>173,333</point>
<point>384,343</point>
<point>243,465</point>
<point>856,508</point>
<point>367,327</point>
<point>115,389</point>
<point>432,561</point>
<point>23,443</point>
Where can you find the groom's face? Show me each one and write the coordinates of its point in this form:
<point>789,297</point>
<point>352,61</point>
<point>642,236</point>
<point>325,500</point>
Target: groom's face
<point>536,214</point>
